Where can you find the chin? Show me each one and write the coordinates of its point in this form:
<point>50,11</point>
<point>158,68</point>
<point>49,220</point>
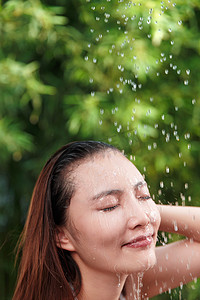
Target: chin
<point>148,262</point>
<point>142,263</point>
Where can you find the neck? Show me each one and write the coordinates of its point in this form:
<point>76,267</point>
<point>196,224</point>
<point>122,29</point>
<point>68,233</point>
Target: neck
<point>98,286</point>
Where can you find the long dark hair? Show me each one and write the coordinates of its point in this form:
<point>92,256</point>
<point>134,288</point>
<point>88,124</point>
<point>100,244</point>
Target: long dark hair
<point>46,271</point>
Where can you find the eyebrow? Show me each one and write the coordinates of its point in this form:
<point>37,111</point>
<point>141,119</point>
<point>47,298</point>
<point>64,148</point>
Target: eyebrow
<point>116,191</point>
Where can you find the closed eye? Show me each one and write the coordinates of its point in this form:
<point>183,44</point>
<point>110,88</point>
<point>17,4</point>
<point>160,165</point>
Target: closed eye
<point>109,208</point>
<point>144,198</point>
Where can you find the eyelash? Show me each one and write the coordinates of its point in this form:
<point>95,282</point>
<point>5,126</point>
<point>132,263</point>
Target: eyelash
<point>110,208</point>
<point>107,209</point>
<point>145,198</point>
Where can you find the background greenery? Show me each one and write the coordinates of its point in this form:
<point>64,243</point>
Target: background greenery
<point>124,72</point>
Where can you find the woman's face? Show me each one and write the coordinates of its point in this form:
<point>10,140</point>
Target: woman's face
<point>114,220</point>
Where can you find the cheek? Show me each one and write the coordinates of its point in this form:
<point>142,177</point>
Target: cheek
<point>153,213</point>
<point>101,228</point>
<point>155,218</point>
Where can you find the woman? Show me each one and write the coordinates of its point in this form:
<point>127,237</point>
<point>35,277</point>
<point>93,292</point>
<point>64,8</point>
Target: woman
<point>91,231</point>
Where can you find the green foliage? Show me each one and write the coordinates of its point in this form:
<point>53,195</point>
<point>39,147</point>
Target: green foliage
<point>118,71</point>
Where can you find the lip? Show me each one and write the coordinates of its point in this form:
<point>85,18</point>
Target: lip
<point>141,241</point>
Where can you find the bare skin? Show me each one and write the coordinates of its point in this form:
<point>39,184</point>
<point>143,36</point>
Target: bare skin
<point>112,236</point>
<point>177,263</point>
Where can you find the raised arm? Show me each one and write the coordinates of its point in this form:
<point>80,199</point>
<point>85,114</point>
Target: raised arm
<point>178,262</point>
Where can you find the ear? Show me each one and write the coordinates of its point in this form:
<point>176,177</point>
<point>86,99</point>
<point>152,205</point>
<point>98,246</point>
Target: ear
<point>64,240</point>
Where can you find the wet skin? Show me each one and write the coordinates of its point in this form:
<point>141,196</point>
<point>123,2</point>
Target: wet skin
<point>114,221</point>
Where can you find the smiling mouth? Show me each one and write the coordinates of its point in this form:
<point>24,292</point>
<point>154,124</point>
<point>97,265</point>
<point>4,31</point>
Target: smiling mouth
<point>140,242</point>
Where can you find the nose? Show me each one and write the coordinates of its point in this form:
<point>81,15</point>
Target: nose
<point>137,215</point>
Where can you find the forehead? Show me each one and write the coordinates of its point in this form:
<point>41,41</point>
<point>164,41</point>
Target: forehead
<point>106,170</point>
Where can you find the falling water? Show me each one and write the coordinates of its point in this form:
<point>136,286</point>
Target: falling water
<point>145,49</point>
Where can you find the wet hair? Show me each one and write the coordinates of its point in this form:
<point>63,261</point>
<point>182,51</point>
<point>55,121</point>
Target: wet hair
<point>47,271</point>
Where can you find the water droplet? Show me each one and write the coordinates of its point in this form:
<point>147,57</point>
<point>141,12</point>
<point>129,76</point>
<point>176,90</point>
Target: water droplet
<point>94,60</point>
<point>186,82</point>
<point>167,169</point>
<point>179,22</point>
<point>187,136</point>
<point>186,186</point>
<point>193,101</point>
<point>161,184</point>
<point>187,72</point>
<point>91,80</point>
<point>172,42</point>
<point>163,117</point>
<point>86,58</point>
<point>92,94</point>
<point>166,71</point>
<point>170,30</point>
<point>163,131</point>
<point>175,226</point>
<point>154,145</point>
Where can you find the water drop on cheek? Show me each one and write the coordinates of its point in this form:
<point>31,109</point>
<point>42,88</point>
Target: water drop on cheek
<point>153,216</point>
